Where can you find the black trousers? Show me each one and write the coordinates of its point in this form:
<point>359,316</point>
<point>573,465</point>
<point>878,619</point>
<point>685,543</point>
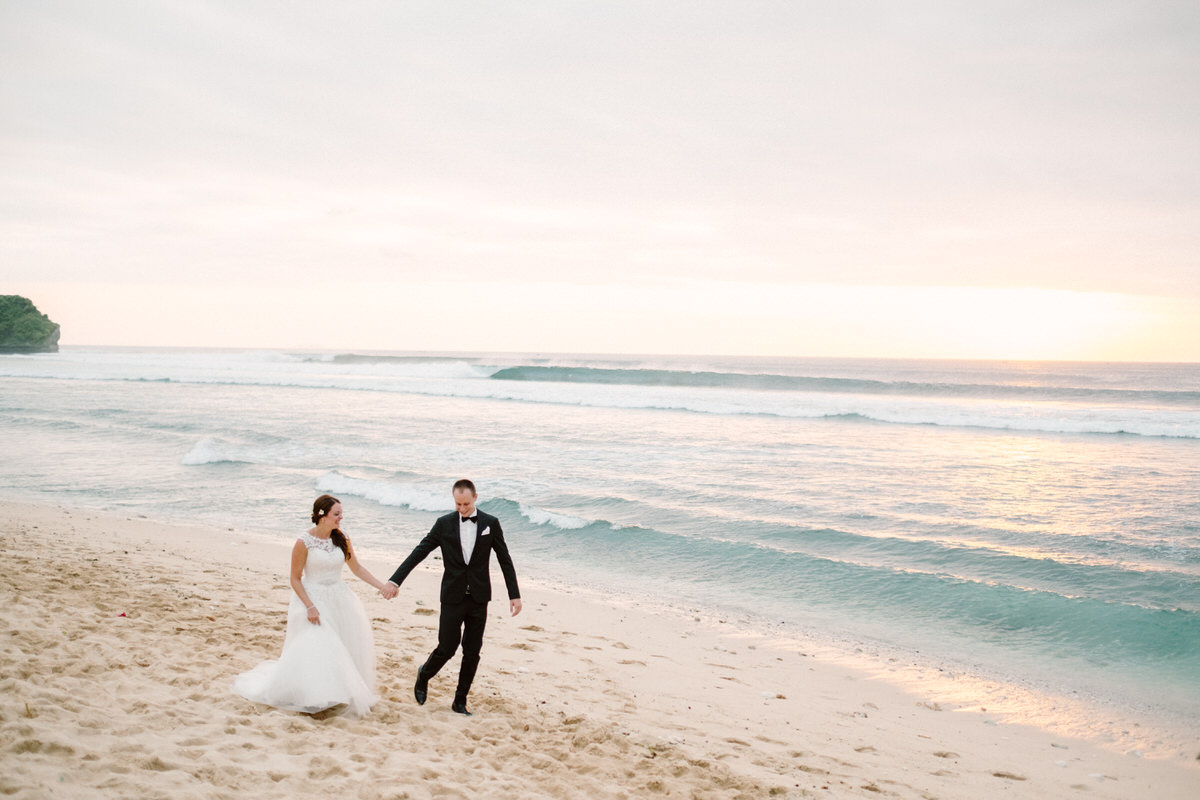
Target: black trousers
<point>459,622</point>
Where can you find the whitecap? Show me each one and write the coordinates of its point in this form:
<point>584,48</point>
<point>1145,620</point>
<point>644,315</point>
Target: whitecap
<point>418,498</point>
<point>540,516</point>
<point>208,451</point>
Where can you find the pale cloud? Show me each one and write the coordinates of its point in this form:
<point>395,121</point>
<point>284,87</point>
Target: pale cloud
<point>524,144</point>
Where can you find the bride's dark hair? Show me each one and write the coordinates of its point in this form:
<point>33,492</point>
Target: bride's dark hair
<point>321,507</point>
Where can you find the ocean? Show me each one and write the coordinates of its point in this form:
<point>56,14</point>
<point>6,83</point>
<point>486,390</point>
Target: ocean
<point>1032,523</point>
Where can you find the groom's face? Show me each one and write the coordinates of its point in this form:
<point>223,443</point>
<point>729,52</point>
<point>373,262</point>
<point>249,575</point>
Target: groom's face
<point>464,501</point>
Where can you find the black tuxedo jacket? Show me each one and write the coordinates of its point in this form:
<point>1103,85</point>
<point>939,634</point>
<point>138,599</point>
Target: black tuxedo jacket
<point>459,575</point>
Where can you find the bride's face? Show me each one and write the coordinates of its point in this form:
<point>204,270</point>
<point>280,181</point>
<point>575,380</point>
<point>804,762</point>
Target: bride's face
<point>335,515</point>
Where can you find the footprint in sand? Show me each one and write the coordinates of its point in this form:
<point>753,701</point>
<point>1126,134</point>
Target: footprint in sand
<point>811,770</point>
<point>37,746</point>
<point>321,767</point>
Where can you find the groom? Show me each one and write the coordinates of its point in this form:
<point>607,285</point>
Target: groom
<point>467,539</point>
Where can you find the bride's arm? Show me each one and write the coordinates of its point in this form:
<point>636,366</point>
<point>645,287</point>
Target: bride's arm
<point>299,558</point>
<point>362,572</point>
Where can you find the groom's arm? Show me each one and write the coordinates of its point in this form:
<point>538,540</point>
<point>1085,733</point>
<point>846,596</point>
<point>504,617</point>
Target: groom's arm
<point>500,548</point>
<point>423,548</point>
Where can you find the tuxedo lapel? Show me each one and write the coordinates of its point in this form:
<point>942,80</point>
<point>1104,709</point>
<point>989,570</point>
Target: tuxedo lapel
<point>481,525</point>
<point>455,535</point>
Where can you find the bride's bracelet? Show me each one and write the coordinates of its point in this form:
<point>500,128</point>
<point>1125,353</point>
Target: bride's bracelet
<point>310,608</point>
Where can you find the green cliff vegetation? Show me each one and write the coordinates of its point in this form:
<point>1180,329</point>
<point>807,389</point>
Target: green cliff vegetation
<point>24,329</point>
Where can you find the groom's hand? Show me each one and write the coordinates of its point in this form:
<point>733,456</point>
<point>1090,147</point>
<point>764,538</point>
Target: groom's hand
<point>514,606</point>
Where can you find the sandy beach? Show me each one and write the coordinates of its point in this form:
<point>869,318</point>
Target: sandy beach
<point>121,638</point>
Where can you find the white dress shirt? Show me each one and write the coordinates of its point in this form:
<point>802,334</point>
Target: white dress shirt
<point>466,535</point>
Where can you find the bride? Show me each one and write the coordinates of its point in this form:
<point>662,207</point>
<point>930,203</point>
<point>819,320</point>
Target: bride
<point>328,656</point>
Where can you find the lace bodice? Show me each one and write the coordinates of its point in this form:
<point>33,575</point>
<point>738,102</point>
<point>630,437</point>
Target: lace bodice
<point>324,562</point>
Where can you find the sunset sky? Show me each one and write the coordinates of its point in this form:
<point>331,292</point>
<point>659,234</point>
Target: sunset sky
<point>910,179</point>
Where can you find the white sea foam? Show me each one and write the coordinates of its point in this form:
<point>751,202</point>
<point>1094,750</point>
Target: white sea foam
<point>214,450</point>
<point>418,498</point>
<point>540,516</point>
<point>998,415</point>
<point>210,451</point>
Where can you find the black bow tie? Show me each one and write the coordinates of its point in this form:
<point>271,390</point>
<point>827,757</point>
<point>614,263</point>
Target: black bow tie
<point>470,519</point>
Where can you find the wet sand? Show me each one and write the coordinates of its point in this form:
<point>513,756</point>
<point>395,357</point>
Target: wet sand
<point>120,639</point>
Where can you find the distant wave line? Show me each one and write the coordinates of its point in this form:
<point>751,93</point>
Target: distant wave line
<point>977,421</point>
<point>776,382</point>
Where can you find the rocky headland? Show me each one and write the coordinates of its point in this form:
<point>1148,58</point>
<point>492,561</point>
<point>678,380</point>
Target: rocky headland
<point>24,329</point>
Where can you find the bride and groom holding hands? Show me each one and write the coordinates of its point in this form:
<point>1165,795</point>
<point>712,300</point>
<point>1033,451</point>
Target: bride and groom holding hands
<point>328,656</point>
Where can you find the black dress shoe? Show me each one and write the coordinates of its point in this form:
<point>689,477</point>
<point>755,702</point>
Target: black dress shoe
<point>460,707</point>
<point>421,689</point>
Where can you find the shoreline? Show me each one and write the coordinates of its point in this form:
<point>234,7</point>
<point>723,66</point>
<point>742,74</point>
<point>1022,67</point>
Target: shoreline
<point>952,682</point>
<point>118,672</point>
<point>948,682</point>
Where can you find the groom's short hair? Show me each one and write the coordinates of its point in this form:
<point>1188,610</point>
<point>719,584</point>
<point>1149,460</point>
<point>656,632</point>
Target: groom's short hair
<point>463,483</point>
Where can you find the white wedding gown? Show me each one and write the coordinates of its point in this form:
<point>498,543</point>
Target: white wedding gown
<point>324,665</point>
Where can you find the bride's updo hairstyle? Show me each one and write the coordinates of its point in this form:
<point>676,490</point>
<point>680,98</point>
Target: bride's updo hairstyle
<point>321,507</point>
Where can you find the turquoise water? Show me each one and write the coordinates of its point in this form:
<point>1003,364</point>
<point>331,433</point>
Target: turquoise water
<point>1033,522</point>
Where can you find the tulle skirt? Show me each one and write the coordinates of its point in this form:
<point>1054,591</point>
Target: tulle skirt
<point>321,666</point>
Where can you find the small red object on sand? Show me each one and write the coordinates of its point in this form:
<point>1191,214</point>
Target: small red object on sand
<point>121,614</point>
